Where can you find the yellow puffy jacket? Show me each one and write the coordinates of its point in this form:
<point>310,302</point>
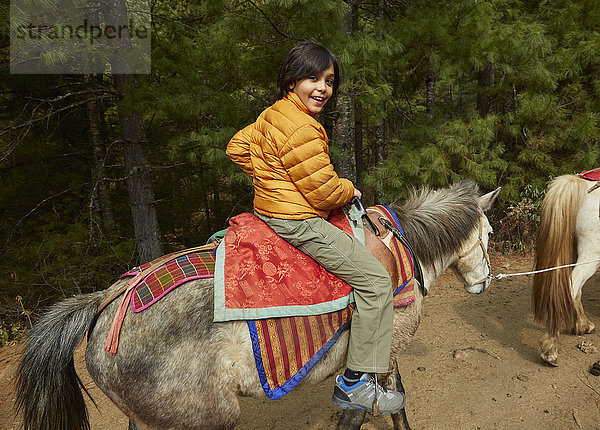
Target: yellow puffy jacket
<point>285,151</point>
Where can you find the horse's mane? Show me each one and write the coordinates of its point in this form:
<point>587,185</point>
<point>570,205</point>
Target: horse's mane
<point>438,222</point>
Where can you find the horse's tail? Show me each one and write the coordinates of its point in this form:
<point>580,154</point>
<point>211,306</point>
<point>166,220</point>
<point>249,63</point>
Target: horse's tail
<point>552,298</point>
<point>48,392</point>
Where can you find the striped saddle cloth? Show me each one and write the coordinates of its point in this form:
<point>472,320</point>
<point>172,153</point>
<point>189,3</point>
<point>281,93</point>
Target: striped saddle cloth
<point>287,348</point>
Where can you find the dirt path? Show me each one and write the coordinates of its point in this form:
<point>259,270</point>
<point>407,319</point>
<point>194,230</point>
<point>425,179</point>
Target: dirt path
<point>496,381</point>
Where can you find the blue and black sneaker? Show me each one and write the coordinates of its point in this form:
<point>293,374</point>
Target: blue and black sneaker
<point>361,395</point>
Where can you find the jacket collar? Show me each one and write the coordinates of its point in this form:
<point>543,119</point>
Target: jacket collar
<point>293,97</point>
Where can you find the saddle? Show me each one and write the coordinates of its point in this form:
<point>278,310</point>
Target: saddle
<point>591,175</point>
<point>296,313</point>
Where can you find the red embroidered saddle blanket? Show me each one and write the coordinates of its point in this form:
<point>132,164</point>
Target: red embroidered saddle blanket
<point>260,275</point>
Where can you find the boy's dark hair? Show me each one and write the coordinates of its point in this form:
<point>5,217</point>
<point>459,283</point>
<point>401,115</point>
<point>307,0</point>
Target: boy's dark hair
<point>305,59</point>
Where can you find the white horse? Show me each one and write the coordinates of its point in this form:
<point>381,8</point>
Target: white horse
<point>569,233</point>
<point>177,369</point>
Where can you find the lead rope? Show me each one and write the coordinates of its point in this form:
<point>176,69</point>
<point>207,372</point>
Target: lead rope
<point>533,272</point>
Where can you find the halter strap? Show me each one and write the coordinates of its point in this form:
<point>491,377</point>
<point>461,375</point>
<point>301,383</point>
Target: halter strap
<point>486,257</point>
<point>476,244</point>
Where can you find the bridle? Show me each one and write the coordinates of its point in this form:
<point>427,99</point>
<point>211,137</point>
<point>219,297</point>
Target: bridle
<point>418,271</point>
<point>486,257</point>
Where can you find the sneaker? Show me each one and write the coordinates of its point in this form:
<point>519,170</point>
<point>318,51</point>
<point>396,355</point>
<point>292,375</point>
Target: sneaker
<point>362,395</point>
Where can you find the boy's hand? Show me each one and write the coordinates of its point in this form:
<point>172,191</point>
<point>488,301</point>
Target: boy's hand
<point>357,193</point>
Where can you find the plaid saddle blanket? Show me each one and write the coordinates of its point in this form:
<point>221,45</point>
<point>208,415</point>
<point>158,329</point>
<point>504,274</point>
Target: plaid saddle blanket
<point>156,285</point>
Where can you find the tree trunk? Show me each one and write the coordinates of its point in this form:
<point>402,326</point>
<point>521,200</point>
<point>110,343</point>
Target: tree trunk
<point>205,187</point>
<point>379,151</point>
<point>459,96</point>
<point>431,83</point>
<point>344,129</point>
<point>379,155</point>
<point>141,196</point>
<point>100,201</point>
<point>219,221</point>
<point>100,192</point>
<point>485,80</point>
<point>379,145</point>
<point>343,136</point>
<point>358,142</point>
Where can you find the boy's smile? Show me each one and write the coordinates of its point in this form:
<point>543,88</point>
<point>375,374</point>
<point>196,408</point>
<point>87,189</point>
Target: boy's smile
<point>315,90</point>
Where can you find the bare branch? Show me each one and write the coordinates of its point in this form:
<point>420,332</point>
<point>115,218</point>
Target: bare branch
<point>269,20</point>
<point>40,204</point>
<point>42,118</point>
<point>71,94</point>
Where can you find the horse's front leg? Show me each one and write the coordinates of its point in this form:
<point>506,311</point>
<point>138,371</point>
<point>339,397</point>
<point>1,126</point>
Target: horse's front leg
<point>351,419</point>
<point>394,382</point>
<point>582,324</point>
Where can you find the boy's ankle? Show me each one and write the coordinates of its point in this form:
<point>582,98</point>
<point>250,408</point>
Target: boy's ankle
<point>351,377</point>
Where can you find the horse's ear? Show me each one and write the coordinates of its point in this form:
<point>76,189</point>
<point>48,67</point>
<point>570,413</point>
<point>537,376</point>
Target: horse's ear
<point>487,200</point>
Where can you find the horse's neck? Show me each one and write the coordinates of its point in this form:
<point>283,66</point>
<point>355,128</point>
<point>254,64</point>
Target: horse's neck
<point>431,272</point>
<point>434,263</point>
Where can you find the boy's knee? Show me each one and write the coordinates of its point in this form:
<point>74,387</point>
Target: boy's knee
<point>386,292</point>
<point>383,279</point>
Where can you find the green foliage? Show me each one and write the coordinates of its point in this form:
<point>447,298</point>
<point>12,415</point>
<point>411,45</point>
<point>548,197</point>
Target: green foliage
<point>13,329</point>
<point>11,332</point>
<point>505,92</point>
<point>518,227</point>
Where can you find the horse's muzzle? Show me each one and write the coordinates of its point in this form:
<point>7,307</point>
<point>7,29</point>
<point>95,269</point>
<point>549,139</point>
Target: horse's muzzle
<point>478,288</point>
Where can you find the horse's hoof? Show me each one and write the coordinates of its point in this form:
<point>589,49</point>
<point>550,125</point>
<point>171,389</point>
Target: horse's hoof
<point>595,369</point>
<point>551,361</point>
<point>584,329</point>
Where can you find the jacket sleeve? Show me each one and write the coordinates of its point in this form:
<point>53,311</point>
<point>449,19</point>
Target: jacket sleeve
<point>305,157</point>
<point>238,149</point>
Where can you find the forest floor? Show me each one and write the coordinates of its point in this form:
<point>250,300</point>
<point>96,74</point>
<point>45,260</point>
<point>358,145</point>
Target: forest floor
<point>473,364</point>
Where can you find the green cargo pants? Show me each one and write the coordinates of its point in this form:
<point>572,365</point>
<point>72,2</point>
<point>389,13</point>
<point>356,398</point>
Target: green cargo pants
<point>348,259</point>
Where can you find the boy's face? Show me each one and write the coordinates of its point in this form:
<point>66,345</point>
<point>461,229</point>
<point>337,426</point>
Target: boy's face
<point>315,90</point>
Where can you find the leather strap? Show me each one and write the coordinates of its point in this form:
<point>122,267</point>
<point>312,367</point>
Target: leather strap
<point>112,342</point>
